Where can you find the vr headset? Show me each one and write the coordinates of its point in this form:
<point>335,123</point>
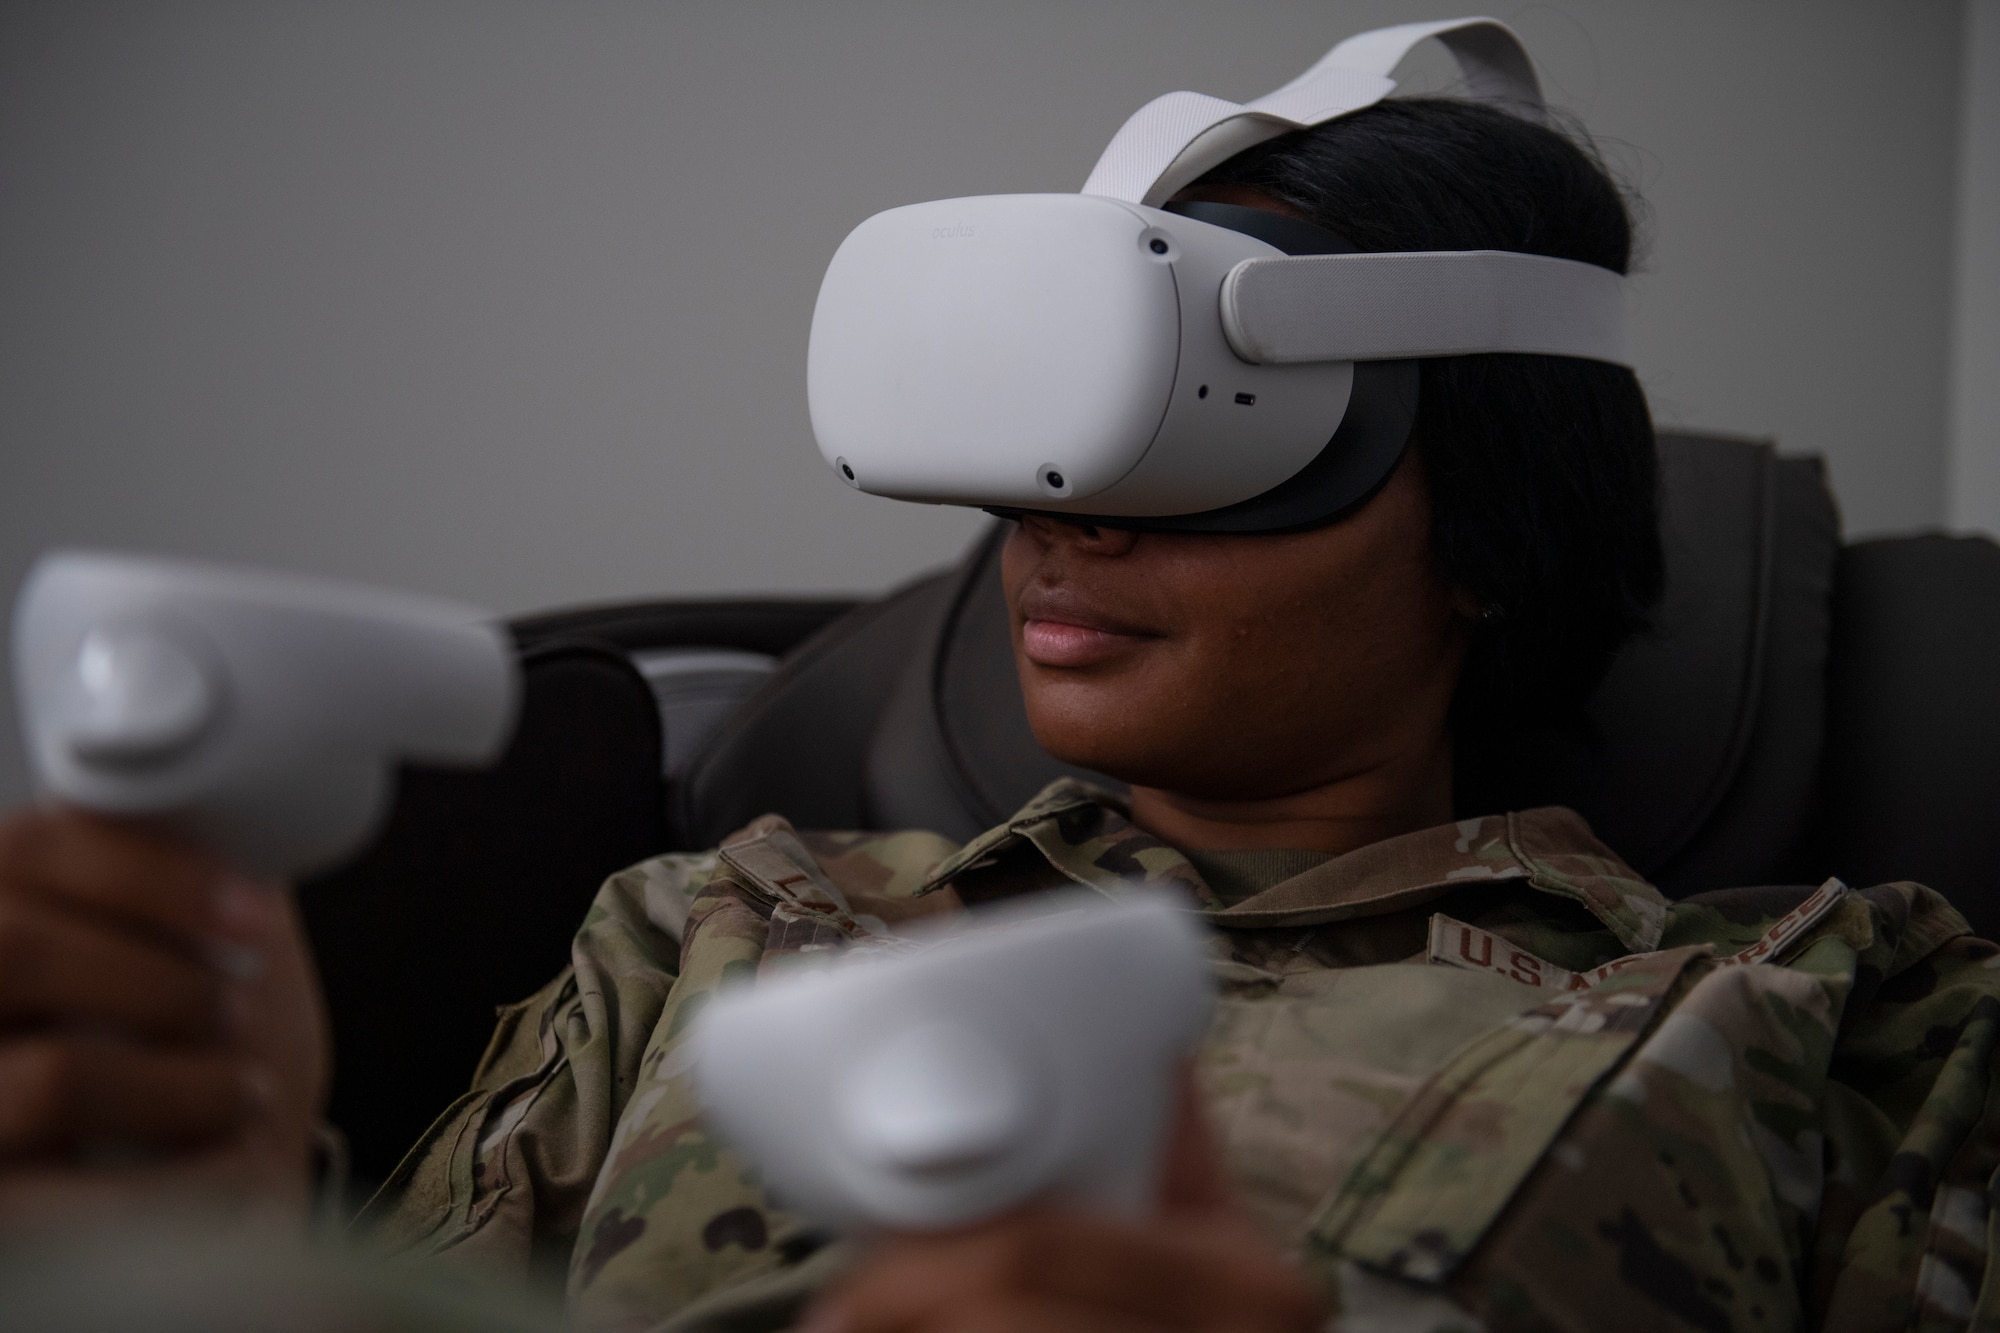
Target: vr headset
<point>1120,357</point>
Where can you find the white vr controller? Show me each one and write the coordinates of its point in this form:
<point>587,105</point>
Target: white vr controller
<point>1029,1057</point>
<point>257,714</point>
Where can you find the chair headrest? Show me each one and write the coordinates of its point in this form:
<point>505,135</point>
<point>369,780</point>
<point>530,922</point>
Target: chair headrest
<point>1708,729</point>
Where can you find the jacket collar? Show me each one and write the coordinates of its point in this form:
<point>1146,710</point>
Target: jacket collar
<point>1087,834</point>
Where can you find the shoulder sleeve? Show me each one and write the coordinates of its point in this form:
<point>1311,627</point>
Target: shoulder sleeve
<point>1914,1127</point>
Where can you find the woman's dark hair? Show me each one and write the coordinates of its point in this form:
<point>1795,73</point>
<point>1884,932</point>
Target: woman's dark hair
<point>1542,470</point>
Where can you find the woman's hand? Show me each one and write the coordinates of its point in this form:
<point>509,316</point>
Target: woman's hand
<point>1197,1263</point>
<point>162,1040</point>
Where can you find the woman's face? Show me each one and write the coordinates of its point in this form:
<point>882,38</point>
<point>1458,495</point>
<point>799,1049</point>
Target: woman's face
<point>1237,667</point>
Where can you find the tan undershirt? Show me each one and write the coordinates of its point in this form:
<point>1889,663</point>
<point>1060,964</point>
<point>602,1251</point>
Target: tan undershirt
<point>1237,875</point>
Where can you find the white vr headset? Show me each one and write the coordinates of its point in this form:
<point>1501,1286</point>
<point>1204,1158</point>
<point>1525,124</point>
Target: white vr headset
<point>1115,356</point>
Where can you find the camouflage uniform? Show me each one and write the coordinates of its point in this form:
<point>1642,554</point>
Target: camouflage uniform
<point>1481,1075</point>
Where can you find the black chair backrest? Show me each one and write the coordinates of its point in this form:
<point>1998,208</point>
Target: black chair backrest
<point>1912,774</point>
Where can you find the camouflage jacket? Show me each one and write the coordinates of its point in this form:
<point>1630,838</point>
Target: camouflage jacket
<point>1481,1075</point>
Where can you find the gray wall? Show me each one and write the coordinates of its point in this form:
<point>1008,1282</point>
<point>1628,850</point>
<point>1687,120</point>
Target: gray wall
<point>1973,492</point>
<point>508,300</point>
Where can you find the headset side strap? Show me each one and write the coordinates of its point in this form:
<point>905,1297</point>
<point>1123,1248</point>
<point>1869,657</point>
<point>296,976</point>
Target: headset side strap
<point>1378,307</point>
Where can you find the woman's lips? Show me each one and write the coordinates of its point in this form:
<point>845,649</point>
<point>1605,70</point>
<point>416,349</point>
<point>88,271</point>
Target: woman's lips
<point>1059,643</point>
<point>1062,627</point>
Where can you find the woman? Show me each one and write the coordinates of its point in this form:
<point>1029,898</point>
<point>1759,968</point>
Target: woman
<point>1594,1117</point>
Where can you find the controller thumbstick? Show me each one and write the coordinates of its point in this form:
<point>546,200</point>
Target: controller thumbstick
<point>136,696</point>
<point>935,1099</point>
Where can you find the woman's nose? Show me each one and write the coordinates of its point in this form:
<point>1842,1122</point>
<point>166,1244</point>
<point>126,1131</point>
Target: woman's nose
<point>1084,537</point>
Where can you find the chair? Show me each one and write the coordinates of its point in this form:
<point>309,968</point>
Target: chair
<point>1801,708</point>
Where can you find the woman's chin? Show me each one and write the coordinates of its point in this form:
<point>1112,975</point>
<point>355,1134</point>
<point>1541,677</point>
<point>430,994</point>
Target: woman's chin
<point>1101,729</point>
